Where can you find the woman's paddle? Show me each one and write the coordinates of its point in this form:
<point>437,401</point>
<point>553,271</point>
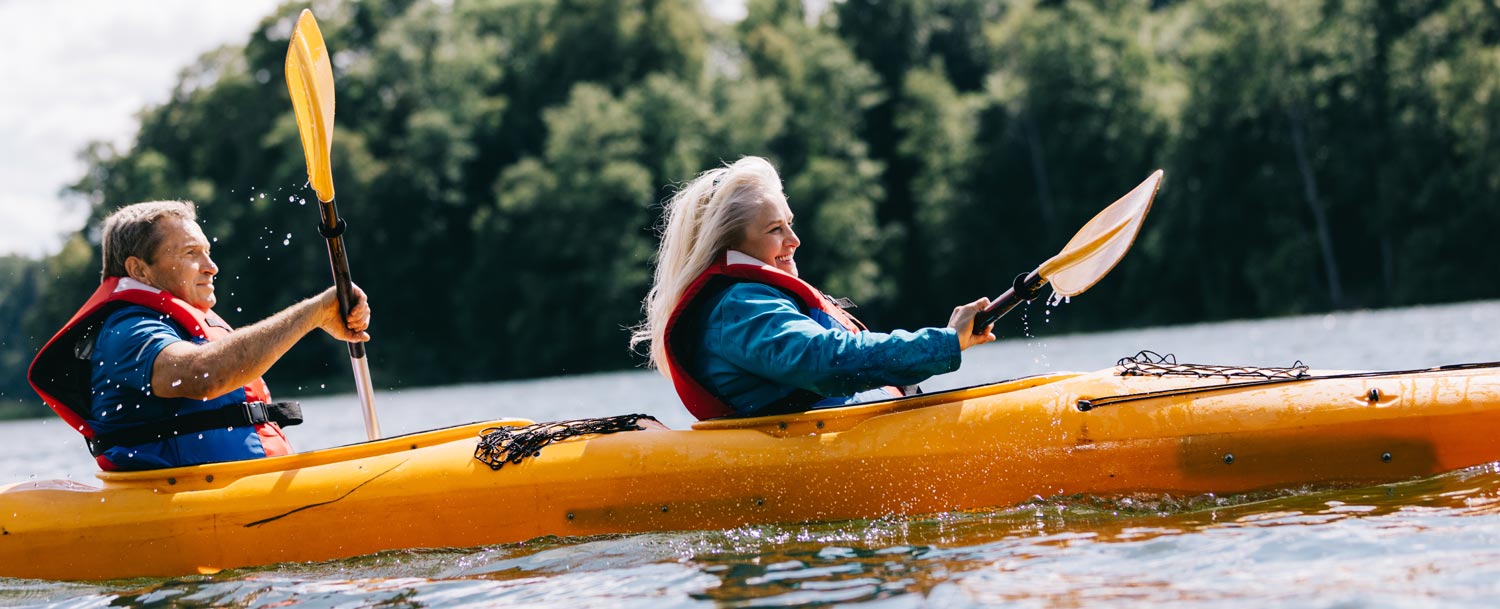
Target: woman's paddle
<point>309,79</point>
<point>1086,259</point>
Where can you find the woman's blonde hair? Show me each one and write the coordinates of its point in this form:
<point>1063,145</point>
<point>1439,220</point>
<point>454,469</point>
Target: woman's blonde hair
<point>704,218</point>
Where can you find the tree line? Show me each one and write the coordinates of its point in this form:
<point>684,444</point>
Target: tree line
<point>502,164</point>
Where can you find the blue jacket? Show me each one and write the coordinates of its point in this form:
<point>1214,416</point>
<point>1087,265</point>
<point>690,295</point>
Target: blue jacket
<point>757,347</point>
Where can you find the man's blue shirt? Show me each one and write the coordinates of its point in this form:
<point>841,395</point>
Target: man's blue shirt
<point>120,366</point>
<point>757,347</point>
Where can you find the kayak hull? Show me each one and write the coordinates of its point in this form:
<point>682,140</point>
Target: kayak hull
<point>973,448</point>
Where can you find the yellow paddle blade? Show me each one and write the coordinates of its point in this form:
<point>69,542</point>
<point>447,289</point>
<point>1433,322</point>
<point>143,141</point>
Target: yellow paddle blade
<point>1101,243</point>
<point>309,78</point>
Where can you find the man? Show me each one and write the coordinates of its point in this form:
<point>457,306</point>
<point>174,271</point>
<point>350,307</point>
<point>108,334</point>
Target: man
<point>150,375</point>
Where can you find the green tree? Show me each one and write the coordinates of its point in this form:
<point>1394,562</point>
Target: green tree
<point>895,38</point>
<point>570,227</point>
<point>1078,109</point>
<point>829,175</point>
<point>939,127</point>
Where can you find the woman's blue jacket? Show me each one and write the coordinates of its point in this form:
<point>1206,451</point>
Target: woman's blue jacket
<point>758,348</point>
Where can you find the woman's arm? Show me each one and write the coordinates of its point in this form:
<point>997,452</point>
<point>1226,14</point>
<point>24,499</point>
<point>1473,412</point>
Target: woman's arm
<point>758,328</point>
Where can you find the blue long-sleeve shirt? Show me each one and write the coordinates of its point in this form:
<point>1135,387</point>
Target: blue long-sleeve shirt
<point>757,347</point>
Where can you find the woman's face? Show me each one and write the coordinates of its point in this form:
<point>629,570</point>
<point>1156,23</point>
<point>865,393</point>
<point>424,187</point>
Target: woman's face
<point>769,236</point>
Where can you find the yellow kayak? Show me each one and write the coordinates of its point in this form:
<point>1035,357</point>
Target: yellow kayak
<point>1102,433</point>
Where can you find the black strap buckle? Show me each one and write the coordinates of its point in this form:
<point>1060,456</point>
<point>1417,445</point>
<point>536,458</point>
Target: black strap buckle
<point>255,413</point>
<point>232,415</point>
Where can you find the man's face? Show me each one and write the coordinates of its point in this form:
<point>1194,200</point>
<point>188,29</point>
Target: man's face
<point>181,264</point>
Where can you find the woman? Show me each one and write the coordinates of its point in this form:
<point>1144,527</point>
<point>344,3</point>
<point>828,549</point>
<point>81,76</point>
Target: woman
<point>740,335</point>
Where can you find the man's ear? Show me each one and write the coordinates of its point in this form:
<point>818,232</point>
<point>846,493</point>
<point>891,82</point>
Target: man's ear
<point>137,269</point>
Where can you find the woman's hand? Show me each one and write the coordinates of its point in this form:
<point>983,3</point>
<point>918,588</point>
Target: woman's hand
<point>963,321</point>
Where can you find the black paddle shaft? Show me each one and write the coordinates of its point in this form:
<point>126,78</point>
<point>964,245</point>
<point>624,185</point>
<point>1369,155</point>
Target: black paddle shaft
<point>1025,288</point>
<point>332,228</point>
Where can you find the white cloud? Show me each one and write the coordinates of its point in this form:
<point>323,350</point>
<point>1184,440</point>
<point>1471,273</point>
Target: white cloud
<point>77,71</point>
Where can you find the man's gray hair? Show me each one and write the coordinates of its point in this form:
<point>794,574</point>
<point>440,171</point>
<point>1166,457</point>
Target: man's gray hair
<point>131,231</point>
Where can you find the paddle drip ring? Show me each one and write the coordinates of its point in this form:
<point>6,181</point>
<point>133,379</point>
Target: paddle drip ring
<point>501,445</point>
<point>1150,363</point>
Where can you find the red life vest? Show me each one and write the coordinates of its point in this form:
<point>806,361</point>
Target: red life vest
<point>737,266</point>
<point>62,378</point>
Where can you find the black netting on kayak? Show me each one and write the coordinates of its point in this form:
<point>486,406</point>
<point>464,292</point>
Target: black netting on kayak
<point>501,445</point>
<point>1151,363</point>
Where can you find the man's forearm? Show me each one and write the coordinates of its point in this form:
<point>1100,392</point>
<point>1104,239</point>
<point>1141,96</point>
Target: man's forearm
<point>213,369</point>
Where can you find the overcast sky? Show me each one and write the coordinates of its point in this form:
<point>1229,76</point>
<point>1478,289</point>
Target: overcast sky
<point>76,71</point>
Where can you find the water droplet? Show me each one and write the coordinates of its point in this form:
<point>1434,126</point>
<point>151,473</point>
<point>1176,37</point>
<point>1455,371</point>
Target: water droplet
<point>238,309</point>
<point>176,382</point>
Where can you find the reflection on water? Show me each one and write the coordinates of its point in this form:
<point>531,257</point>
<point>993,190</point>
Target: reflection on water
<point>1433,541</point>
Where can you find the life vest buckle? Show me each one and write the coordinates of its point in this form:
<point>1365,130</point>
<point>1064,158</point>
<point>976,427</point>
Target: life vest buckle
<point>255,413</point>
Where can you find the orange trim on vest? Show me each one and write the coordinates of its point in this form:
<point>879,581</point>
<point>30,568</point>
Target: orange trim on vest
<point>699,401</point>
<point>123,290</point>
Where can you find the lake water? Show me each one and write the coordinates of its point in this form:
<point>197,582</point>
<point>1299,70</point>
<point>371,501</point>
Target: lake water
<point>1428,542</point>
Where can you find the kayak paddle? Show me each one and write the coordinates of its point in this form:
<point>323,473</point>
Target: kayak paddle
<point>309,79</point>
<point>1086,259</point>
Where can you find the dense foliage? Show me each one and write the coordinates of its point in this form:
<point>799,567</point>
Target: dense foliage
<point>502,162</point>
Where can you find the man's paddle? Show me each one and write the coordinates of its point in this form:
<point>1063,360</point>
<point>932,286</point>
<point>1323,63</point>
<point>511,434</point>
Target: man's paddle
<point>1086,259</point>
<point>309,79</point>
